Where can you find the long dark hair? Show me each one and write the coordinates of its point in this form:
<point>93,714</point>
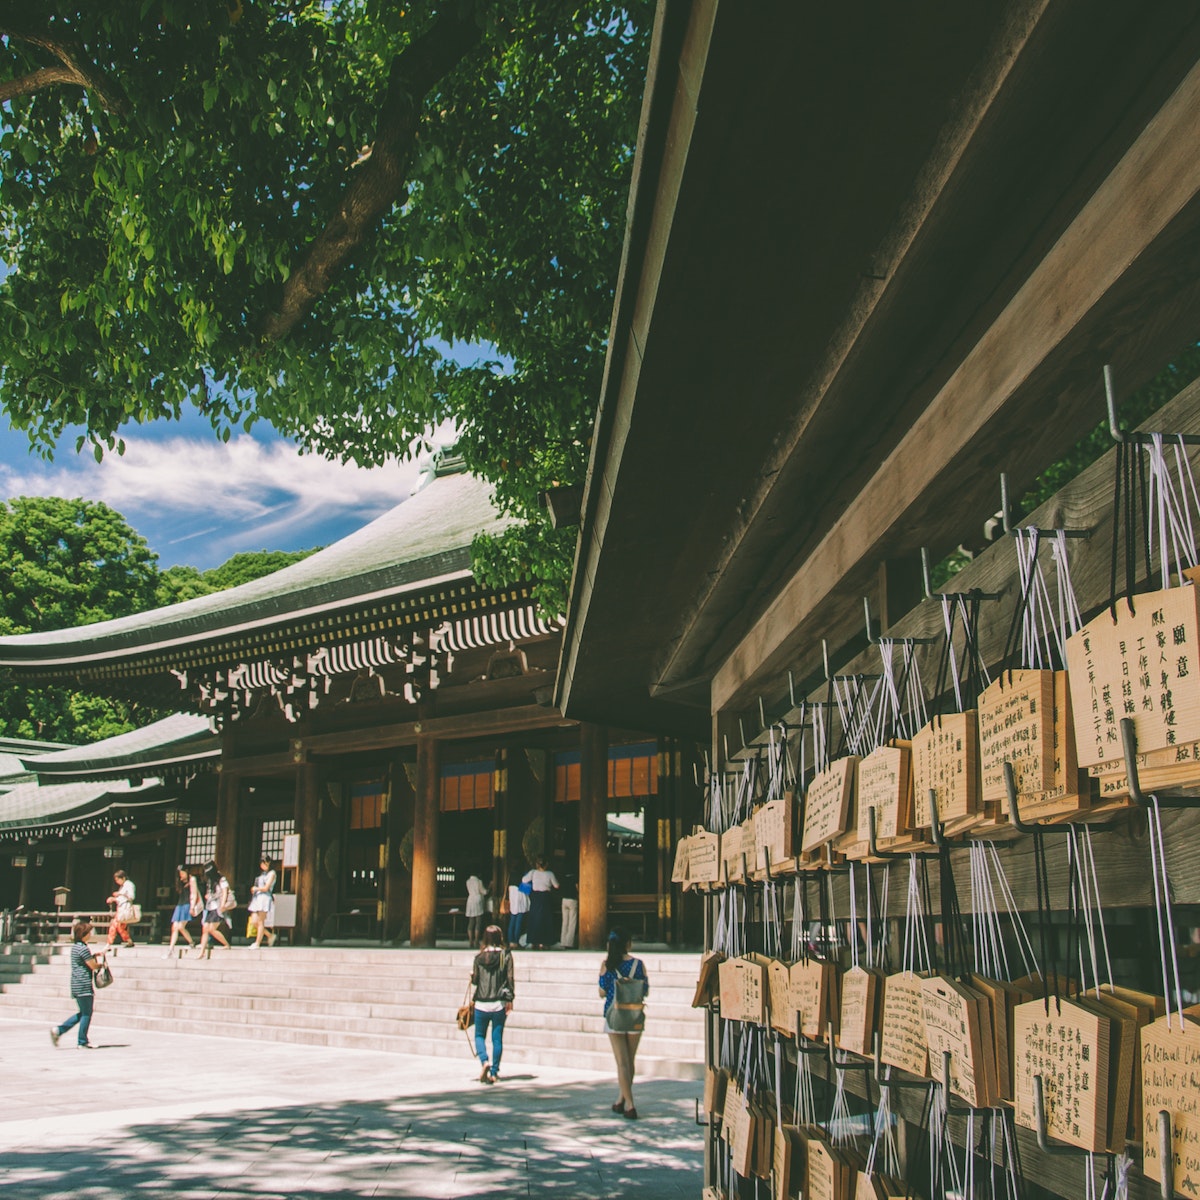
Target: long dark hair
<point>618,947</point>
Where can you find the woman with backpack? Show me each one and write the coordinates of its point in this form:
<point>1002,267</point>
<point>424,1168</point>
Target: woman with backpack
<point>218,903</point>
<point>494,983</point>
<point>624,985</point>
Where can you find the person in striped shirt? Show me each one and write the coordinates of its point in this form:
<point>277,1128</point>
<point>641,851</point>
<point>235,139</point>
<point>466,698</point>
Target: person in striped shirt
<point>83,964</point>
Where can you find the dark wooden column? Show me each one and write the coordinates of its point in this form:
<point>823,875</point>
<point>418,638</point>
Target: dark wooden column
<point>398,893</point>
<point>25,899</point>
<point>593,836</point>
<point>228,794</point>
<point>425,844</point>
<point>307,815</point>
<point>500,868</point>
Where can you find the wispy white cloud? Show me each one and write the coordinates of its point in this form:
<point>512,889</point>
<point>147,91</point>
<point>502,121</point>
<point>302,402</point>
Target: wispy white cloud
<point>244,494</point>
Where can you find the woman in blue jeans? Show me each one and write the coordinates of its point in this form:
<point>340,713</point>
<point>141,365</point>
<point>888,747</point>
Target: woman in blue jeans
<point>83,965</point>
<point>492,977</point>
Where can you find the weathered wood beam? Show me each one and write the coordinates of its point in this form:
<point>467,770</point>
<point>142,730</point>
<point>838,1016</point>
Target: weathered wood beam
<point>1134,217</point>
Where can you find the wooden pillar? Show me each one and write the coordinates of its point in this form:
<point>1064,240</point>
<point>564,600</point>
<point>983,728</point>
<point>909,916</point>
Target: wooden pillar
<point>398,881</point>
<point>593,837</point>
<point>225,855</point>
<point>25,899</point>
<point>425,844</point>
<point>69,871</point>
<point>307,814</point>
<point>500,868</point>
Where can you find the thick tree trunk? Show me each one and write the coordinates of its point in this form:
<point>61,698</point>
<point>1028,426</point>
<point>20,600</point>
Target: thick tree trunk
<point>379,180</point>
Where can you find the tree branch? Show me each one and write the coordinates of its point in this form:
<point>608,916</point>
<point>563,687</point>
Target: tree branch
<point>73,71</point>
<point>379,178</point>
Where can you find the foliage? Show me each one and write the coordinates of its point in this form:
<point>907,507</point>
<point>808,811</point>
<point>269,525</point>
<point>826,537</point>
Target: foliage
<point>284,210</point>
<point>179,583</point>
<point>67,562</point>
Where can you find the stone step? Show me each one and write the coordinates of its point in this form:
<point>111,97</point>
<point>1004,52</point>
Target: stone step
<point>400,1001</point>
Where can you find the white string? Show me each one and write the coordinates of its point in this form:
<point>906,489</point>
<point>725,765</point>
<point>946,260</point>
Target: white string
<point>973,650</point>
<point>1024,945</point>
<point>1166,918</point>
<point>853,920</point>
<point>948,622</point>
<point>1070,620</point>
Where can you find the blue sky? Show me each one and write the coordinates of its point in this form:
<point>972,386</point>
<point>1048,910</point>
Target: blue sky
<point>198,500</point>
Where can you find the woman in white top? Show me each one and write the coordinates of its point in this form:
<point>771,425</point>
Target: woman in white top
<point>476,891</point>
<point>543,882</point>
<point>124,914</point>
<point>262,903</point>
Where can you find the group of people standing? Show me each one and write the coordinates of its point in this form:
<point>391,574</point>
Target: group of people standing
<point>527,904</point>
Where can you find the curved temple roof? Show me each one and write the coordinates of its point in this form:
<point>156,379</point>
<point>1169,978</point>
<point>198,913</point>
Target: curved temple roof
<point>424,540</point>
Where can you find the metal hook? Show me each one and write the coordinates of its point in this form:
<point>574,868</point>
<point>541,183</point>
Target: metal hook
<point>1119,435</point>
<point>1166,1156</point>
<point>825,657</point>
<point>935,824</point>
<point>791,689</point>
<point>803,1045</point>
<point>1014,810</point>
<point>705,1123</point>
<point>951,1107</point>
<point>1142,799</point>
<point>925,573</point>
<point>888,1081</point>
<point>1039,1120</point>
<point>872,841</point>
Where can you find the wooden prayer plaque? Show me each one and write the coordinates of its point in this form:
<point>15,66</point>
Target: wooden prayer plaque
<point>860,991</point>
<point>779,988</point>
<point>1170,1070</point>
<point>1069,1049</point>
<point>826,1176</point>
<point>731,854</point>
<point>708,980</point>
<point>788,1162</point>
<point>952,1023</point>
<point>812,986</point>
<point>902,1038</point>
<point>946,761</point>
<point>743,989</point>
<point>1016,725</point>
<point>1142,665</point>
<point>679,868</point>
<point>885,784</point>
<point>827,803</point>
<point>774,832</point>
<point>704,859</point>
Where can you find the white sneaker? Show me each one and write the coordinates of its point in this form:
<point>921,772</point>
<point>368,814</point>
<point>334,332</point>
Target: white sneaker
<point>54,1034</point>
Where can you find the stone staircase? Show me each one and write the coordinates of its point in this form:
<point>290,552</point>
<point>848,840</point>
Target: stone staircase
<point>397,1001</point>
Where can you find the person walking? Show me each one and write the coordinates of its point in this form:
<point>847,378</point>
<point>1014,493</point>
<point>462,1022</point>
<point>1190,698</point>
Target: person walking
<point>262,903</point>
<point>476,894</point>
<point>187,906</point>
<point>543,882</point>
<point>216,908</point>
<point>125,912</point>
<point>493,979</point>
<point>570,910</point>
<point>83,964</point>
<point>518,907</point>
<point>624,1014</point>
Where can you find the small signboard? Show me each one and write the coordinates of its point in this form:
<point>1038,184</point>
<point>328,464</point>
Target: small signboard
<point>291,850</point>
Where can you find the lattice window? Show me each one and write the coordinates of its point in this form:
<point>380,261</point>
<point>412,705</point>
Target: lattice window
<point>273,833</point>
<point>201,844</point>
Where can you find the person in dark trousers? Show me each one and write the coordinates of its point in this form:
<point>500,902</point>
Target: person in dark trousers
<point>494,981</point>
<point>543,882</point>
<point>83,964</point>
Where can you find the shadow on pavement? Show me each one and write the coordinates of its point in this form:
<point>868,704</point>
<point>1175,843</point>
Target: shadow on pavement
<point>486,1144</point>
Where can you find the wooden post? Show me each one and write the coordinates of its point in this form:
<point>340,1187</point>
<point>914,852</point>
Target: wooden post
<point>499,884</point>
<point>225,854</point>
<point>398,891</point>
<point>425,844</point>
<point>25,898</point>
<point>593,837</point>
<point>307,815</point>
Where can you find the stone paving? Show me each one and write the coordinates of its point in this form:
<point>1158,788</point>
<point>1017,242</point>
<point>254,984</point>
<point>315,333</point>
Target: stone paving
<point>178,1115</point>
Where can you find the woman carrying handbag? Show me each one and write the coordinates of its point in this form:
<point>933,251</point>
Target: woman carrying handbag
<point>624,986</point>
<point>84,966</point>
<point>493,980</point>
